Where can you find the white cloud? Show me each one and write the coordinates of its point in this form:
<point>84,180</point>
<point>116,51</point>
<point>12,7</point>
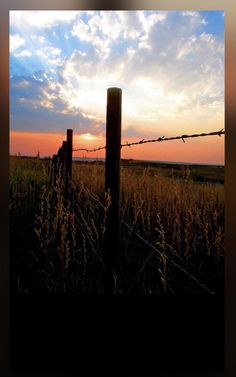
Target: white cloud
<point>50,55</point>
<point>190,13</point>
<point>107,23</point>
<point>132,26</point>
<point>23,54</point>
<point>41,19</point>
<point>54,51</point>
<point>39,38</point>
<point>15,42</point>
<point>39,53</point>
<point>106,27</point>
<point>143,43</point>
<point>82,31</point>
<point>88,34</point>
<point>55,61</point>
<point>22,84</point>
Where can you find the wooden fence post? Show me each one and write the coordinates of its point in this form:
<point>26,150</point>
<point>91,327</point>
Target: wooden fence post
<point>69,152</point>
<point>112,186</point>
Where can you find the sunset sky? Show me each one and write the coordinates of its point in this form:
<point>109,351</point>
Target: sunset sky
<point>169,65</point>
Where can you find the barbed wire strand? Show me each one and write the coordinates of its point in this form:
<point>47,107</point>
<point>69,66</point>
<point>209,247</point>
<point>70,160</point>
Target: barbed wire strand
<point>168,258</point>
<point>160,139</point>
<point>183,270</point>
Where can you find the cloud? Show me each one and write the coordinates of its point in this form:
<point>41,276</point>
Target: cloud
<point>41,19</point>
<point>170,69</point>
<point>39,38</point>
<point>180,74</point>
<point>49,55</point>
<point>104,28</point>
<point>48,51</point>
<point>23,54</point>
<point>54,51</point>
<point>85,33</point>
<point>15,42</point>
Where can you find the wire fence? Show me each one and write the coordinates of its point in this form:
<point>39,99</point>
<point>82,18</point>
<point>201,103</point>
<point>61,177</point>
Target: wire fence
<point>160,139</point>
<point>112,186</point>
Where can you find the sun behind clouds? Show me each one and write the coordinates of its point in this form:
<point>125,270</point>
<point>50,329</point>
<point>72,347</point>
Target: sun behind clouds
<point>88,136</point>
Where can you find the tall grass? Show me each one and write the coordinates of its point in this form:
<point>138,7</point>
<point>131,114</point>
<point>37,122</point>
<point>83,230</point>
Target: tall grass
<point>28,179</point>
<point>182,219</point>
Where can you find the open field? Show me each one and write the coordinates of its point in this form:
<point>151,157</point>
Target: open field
<point>56,244</point>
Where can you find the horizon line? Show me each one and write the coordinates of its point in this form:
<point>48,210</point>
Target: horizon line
<point>126,159</point>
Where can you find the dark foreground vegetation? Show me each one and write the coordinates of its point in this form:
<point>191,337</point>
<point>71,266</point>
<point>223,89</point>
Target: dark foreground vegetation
<point>56,243</point>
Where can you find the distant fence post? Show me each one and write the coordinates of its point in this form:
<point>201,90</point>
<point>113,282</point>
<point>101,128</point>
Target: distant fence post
<point>69,136</point>
<point>62,162</point>
<point>112,185</point>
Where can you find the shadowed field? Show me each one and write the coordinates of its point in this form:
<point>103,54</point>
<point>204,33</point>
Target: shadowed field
<point>56,244</point>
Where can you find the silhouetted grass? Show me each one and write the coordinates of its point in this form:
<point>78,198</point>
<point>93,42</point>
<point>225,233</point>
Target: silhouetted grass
<point>56,243</point>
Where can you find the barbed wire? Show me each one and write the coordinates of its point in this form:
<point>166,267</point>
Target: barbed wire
<point>160,139</point>
<point>151,246</point>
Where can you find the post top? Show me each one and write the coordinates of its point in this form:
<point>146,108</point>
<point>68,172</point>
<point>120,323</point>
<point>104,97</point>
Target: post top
<point>114,88</point>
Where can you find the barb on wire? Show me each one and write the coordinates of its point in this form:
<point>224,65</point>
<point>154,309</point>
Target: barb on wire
<point>88,150</point>
<point>160,139</point>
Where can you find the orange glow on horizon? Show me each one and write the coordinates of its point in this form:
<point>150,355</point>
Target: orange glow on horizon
<point>30,143</point>
<point>209,149</point>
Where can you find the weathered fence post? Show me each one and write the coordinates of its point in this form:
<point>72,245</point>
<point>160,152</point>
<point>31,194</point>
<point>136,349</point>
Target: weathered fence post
<point>112,186</point>
<point>69,152</point>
